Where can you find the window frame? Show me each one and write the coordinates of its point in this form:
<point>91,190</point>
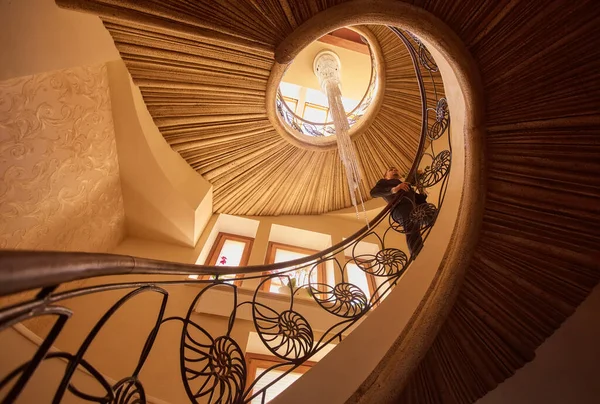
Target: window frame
<point>217,246</point>
<point>270,259</point>
<point>371,282</point>
<point>254,360</point>
<point>292,100</point>
<point>316,106</point>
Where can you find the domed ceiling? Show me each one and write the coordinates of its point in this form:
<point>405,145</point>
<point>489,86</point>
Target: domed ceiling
<point>206,93</point>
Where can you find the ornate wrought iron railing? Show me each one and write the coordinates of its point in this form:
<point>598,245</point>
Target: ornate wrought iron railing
<point>212,367</point>
<point>316,129</point>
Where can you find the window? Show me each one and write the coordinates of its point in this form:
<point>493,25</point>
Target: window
<point>292,103</point>
<point>356,276</point>
<point>315,113</point>
<point>278,252</point>
<point>230,250</point>
<point>257,364</point>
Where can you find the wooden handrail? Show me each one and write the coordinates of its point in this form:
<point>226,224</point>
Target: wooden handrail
<point>22,270</point>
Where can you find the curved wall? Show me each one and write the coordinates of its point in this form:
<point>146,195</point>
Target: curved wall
<point>165,199</point>
<point>566,367</point>
<point>38,36</point>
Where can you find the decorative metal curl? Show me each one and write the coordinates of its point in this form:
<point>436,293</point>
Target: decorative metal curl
<point>387,262</point>
<point>287,335</point>
<point>293,327</point>
<point>330,129</point>
<point>426,59</point>
<point>129,391</point>
<point>442,120</point>
<point>343,300</point>
<point>311,130</point>
<point>294,125</point>
<point>220,363</point>
<point>436,171</point>
<point>422,217</point>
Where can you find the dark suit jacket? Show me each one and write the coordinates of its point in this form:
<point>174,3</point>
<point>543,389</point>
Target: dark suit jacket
<point>383,189</point>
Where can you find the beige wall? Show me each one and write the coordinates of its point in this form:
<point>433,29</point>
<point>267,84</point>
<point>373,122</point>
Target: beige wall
<point>37,36</point>
<point>60,186</point>
<point>165,199</point>
<point>338,227</point>
<point>566,368</point>
<point>43,384</point>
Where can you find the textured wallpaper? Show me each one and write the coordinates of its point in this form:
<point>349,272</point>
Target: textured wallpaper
<point>59,173</point>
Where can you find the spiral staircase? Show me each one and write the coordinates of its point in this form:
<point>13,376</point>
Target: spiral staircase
<point>204,67</point>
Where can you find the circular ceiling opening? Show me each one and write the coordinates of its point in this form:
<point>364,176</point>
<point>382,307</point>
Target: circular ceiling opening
<point>302,104</point>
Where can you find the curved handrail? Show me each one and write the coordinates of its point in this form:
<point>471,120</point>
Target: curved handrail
<point>423,137</point>
<point>23,270</point>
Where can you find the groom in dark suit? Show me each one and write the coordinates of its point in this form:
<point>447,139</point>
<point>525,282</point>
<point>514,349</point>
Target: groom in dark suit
<point>387,188</point>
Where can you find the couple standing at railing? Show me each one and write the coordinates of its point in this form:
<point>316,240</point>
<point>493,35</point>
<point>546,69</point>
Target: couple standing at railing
<point>388,188</point>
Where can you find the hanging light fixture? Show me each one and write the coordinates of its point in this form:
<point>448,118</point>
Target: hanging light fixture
<point>327,67</point>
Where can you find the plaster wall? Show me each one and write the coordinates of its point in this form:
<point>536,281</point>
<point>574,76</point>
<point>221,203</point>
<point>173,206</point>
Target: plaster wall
<point>165,199</point>
<point>37,36</point>
<point>59,174</point>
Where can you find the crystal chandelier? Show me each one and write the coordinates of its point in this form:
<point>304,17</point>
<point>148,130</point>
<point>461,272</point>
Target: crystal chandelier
<point>326,67</point>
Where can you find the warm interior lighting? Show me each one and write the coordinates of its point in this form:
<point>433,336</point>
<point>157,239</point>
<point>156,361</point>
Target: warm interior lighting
<point>358,277</point>
<point>282,255</point>
<point>277,253</point>
<point>315,113</point>
<point>276,388</point>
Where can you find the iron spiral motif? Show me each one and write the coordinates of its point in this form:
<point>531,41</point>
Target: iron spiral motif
<point>343,300</point>
<point>311,129</point>
<point>387,262</point>
<point>442,120</point>
<point>423,216</point>
<point>425,57</point>
<point>296,334</point>
<point>420,218</point>
<point>287,335</point>
<point>436,171</point>
<point>129,391</point>
<point>216,369</point>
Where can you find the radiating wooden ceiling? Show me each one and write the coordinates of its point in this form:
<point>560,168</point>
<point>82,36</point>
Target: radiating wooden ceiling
<point>207,97</point>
